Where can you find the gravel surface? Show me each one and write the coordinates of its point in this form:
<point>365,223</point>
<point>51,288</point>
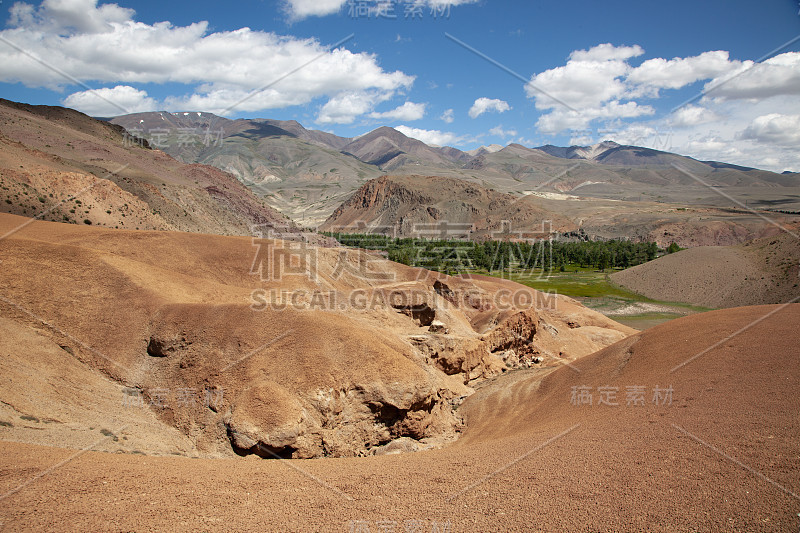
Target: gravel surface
<point>765,271</point>
<point>720,454</point>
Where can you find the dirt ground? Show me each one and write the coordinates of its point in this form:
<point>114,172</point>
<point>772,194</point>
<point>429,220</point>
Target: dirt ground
<point>764,271</point>
<point>711,445</point>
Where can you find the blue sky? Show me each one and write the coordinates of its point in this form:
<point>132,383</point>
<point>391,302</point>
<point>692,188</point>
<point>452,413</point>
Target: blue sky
<point>594,70</point>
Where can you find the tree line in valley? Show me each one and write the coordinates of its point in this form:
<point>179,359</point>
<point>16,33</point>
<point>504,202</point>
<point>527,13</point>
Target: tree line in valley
<point>453,256</point>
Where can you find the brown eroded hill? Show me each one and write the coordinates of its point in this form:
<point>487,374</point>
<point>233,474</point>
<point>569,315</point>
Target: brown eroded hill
<point>697,430</point>
<point>425,205</point>
<point>414,205</point>
<point>211,346</point>
<point>61,165</point>
<point>763,271</point>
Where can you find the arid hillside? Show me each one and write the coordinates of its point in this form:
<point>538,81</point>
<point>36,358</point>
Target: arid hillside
<point>217,346</point>
<point>663,431</point>
<point>61,165</point>
<point>412,205</point>
<point>307,174</point>
<point>423,205</point>
<point>762,271</point>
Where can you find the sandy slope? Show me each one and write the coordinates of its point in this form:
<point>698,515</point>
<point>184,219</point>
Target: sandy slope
<point>61,165</point>
<point>720,452</point>
<point>339,364</point>
<point>722,457</point>
<point>763,271</point>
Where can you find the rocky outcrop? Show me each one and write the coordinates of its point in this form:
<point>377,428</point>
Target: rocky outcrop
<point>509,346</point>
<point>163,347</point>
<point>373,200</point>
<point>515,333</point>
<point>438,327</point>
<point>414,205</point>
<point>423,314</point>
<point>339,422</point>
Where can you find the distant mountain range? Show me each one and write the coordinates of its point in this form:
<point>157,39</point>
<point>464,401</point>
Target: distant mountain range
<point>307,174</point>
<point>61,165</point>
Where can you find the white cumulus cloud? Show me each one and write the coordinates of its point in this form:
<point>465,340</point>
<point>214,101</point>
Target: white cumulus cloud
<point>345,107</point>
<point>692,115</point>
<point>500,132</point>
<point>600,84</point>
<point>779,75</point>
<point>448,116</point>
<point>224,71</point>
<point>107,102</point>
<point>775,128</point>
<point>484,105</point>
<point>678,72</point>
<point>562,119</point>
<point>581,83</point>
<point>407,111</point>
<point>300,9</point>
<point>607,52</point>
<point>431,137</point>
<point>83,16</point>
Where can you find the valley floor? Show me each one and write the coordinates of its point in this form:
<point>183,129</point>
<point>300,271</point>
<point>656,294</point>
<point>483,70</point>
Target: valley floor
<point>596,291</point>
<point>711,444</point>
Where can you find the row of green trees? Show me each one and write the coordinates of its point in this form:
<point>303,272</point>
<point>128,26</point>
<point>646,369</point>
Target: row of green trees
<point>452,256</point>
